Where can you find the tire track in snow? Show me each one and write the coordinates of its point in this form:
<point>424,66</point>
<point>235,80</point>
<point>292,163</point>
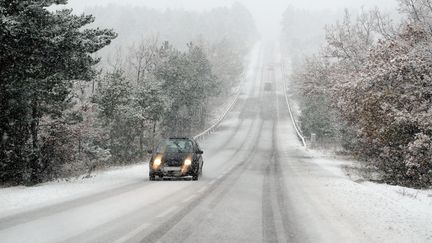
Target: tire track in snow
<point>163,229</point>
<point>278,223</point>
<point>100,229</point>
<point>170,223</point>
<point>25,217</point>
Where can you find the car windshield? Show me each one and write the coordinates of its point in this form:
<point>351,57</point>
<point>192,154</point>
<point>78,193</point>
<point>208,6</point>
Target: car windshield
<point>175,146</point>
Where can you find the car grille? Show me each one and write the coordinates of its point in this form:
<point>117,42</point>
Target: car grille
<point>173,163</point>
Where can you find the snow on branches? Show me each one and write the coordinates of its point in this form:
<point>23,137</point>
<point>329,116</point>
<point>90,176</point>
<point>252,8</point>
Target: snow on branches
<point>380,85</point>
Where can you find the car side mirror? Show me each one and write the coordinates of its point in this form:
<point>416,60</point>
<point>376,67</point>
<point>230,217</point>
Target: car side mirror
<point>199,152</point>
<point>150,151</point>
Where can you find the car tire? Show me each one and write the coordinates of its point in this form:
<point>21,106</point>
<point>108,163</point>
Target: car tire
<point>196,174</point>
<point>152,177</point>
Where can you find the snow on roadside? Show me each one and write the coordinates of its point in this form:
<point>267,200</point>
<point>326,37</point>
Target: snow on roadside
<point>330,162</point>
<point>20,198</point>
<point>389,213</point>
<point>416,203</point>
<point>337,165</point>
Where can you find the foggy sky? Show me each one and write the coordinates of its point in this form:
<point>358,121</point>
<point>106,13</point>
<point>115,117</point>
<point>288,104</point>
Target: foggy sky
<point>267,13</point>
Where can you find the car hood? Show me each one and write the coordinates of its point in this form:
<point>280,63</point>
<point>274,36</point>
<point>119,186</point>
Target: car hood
<point>175,159</point>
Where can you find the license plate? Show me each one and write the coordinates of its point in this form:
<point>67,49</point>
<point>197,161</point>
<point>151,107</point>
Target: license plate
<point>172,168</point>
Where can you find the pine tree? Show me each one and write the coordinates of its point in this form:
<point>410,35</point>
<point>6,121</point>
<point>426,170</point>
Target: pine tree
<point>41,53</point>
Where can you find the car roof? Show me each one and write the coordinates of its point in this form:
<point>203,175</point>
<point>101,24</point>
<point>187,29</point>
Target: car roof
<point>179,138</point>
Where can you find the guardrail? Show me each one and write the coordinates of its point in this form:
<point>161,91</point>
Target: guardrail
<point>214,126</point>
<point>219,121</point>
<point>299,134</point>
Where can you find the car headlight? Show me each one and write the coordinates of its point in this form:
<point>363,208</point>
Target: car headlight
<point>187,162</point>
<point>157,162</point>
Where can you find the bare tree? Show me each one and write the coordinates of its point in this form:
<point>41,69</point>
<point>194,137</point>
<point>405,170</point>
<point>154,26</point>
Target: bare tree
<point>418,11</point>
<point>350,40</point>
<point>383,24</point>
<point>116,60</point>
<point>143,58</point>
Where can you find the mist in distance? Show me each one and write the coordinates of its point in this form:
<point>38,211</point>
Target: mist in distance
<point>267,14</point>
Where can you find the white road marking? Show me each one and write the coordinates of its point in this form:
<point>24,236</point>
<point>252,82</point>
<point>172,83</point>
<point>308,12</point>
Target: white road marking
<point>188,199</point>
<point>166,212</point>
<point>132,234</point>
<point>212,182</point>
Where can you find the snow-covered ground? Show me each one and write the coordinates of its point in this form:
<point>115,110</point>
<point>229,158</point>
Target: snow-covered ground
<point>349,169</point>
<point>398,209</point>
<point>259,185</point>
<point>20,198</point>
<point>412,207</point>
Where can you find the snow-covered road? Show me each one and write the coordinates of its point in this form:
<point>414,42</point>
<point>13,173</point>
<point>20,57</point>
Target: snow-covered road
<point>258,185</point>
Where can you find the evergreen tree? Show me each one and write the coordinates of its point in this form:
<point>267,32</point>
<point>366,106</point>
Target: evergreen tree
<point>41,53</point>
<point>188,81</point>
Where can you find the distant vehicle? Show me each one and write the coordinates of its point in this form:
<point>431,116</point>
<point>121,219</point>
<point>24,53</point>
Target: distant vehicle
<point>268,87</point>
<point>176,157</point>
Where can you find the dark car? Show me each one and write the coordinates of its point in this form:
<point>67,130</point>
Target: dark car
<point>176,157</point>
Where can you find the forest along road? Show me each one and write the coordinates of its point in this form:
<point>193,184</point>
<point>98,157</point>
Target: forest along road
<point>258,185</point>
